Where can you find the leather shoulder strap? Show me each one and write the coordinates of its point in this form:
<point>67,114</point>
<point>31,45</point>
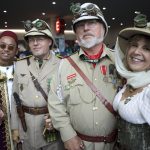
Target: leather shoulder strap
<point>37,84</point>
<point>38,87</point>
<point>92,86</point>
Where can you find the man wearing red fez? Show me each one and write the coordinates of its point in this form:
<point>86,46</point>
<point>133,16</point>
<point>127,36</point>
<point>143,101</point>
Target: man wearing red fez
<point>8,50</point>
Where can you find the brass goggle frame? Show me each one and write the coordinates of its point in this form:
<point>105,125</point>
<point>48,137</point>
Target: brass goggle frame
<point>39,25</point>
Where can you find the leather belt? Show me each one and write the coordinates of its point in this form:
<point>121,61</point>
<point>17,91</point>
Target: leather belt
<point>107,139</point>
<point>35,110</point>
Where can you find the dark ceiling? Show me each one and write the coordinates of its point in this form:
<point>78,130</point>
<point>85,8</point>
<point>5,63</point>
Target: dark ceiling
<point>21,10</point>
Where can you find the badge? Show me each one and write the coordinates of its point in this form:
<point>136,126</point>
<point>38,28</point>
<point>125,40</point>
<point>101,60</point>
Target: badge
<point>71,78</point>
<point>103,69</point>
<point>22,75</point>
<point>21,87</point>
<point>48,84</point>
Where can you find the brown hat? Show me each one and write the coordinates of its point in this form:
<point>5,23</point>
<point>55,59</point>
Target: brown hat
<point>10,34</point>
<point>141,27</point>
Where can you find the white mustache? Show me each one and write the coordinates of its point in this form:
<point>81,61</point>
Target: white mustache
<point>89,34</point>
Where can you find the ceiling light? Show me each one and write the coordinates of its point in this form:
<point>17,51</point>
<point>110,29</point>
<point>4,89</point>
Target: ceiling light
<point>54,3</point>
<point>5,26</point>
<point>5,22</point>
<point>43,13</point>
<point>104,8</point>
<point>121,24</point>
<point>5,11</point>
<point>113,18</point>
<point>137,12</point>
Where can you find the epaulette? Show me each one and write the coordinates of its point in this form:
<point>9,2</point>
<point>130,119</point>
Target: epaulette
<point>59,56</point>
<point>18,59</point>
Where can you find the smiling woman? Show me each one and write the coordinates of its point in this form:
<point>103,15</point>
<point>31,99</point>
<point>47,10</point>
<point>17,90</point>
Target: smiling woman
<point>138,53</point>
<point>133,63</point>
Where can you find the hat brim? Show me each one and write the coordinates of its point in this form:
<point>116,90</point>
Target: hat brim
<point>85,18</point>
<point>33,33</point>
<point>127,33</point>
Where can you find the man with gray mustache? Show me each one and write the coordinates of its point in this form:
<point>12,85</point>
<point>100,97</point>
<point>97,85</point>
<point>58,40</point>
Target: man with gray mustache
<point>81,108</point>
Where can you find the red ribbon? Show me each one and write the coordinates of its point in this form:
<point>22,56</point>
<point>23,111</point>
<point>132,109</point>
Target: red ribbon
<point>103,69</point>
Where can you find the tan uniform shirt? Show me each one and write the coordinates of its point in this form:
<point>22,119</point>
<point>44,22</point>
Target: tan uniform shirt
<point>72,104</point>
<point>30,97</point>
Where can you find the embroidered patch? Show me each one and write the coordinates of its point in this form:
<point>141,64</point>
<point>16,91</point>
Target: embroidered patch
<point>21,87</point>
<point>71,76</point>
<point>22,75</point>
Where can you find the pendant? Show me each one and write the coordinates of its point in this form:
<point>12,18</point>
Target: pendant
<point>127,100</point>
<point>105,79</point>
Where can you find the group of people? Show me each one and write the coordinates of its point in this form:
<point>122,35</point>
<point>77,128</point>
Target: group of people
<point>95,99</point>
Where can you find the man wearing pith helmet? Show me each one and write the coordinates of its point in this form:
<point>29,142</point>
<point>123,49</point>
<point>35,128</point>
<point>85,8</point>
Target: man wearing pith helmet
<point>84,116</point>
<point>31,126</point>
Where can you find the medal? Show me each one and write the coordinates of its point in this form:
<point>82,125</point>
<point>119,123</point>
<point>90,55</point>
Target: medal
<point>103,69</point>
<point>21,87</point>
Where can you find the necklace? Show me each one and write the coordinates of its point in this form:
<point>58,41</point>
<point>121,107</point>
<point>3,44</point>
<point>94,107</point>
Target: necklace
<point>128,99</point>
<point>131,89</point>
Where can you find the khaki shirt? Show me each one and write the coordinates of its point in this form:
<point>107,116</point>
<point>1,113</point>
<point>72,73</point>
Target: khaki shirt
<point>72,104</point>
<point>30,97</point>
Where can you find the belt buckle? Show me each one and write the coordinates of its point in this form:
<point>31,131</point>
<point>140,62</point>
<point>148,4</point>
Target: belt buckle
<point>104,139</point>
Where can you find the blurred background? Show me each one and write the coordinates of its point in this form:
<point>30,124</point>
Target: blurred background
<point>118,14</point>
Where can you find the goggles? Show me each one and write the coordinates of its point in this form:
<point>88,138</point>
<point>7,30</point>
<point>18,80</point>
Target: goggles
<point>89,10</point>
<point>9,47</point>
<point>39,25</point>
<point>140,21</point>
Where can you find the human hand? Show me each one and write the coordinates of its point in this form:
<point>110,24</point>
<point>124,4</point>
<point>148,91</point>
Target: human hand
<point>15,135</point>
<point>74,143</point>
<point>48,122</point>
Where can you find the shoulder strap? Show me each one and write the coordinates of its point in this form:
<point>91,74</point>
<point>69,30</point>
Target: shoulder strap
<point>37,84</point>
<point>92,86</point>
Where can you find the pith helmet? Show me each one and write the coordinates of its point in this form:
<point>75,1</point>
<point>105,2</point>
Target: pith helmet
<point>37,27</point>
<point>87,11</point>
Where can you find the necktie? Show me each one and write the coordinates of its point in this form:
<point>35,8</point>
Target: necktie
<point>40,63</point>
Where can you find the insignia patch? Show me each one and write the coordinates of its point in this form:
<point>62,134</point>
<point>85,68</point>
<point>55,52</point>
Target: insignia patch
<point>71,76</point>
<point>21,87</point>
<point>22,75</point>
<point>48,84</point>
<point>103,70</point>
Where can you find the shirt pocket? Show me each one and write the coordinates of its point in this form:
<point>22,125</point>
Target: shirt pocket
<point>23,83</point>
<point>80,92</point>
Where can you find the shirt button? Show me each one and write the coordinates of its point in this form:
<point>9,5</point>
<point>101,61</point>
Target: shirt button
<point>96,123</point>
<point>95,108</point>
<point>95,79</point>
<point>36,96</point>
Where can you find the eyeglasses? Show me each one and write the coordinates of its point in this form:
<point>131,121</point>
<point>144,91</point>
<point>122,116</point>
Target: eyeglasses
<point>39,25</point>
<point>90,10</point>
<point>9,47</point>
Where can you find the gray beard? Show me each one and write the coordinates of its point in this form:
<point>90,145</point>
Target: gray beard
<point>90,43</point>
